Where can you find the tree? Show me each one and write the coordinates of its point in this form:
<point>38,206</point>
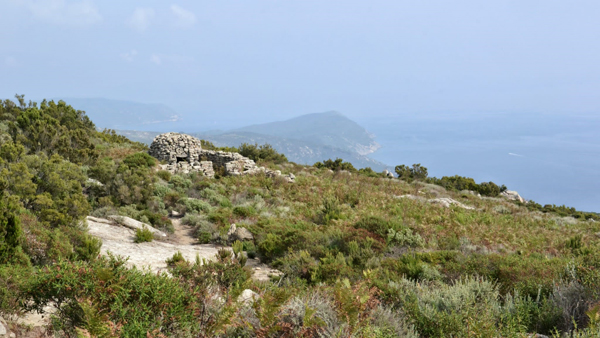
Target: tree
<point>336,165</point>
<point>416,172</point>
<point>10,229</point>
<point>264,152</point>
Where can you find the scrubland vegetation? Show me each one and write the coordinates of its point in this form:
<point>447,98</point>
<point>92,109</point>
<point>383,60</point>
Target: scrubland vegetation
<point>357,260</point>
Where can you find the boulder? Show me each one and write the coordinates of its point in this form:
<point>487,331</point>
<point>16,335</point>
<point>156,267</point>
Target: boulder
<point>388,174</point>
<point>135,224</point>
<point>512,196</point>
<point>248,297</point>
<point>239,234</point>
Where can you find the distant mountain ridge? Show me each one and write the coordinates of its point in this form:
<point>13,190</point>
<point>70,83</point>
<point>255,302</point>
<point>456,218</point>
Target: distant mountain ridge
<point>329,128</point>
<point>305,139</point>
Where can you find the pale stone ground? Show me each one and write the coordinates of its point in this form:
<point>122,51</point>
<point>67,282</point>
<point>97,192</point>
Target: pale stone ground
<point>119,240</point>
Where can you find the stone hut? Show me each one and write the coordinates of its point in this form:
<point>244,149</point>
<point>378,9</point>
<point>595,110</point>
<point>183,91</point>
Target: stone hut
<point>184,154</point>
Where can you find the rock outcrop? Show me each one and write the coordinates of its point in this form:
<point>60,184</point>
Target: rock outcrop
<point>447,202</point>
<point>443,201</point>
<point>512,195</point>
<point>130,223</point>
<point>239,234</point>
<point>120,241</point>
<point>248,297</point>
<point>184,154</point>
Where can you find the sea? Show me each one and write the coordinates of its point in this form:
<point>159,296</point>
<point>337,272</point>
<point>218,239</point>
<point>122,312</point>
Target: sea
<point>547,158</point>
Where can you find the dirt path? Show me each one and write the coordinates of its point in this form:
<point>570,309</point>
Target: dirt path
<point>183,234</point>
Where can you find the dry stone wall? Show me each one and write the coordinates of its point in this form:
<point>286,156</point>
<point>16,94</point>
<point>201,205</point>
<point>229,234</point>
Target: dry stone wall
<point>184,154</point>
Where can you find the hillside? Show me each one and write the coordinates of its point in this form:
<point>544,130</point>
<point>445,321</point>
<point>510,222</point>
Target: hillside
<point>306,139</point>
<point>337,253</point>
<point>330,128</point>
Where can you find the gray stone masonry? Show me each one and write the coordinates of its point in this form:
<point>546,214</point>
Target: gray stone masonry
<point>184,154</point>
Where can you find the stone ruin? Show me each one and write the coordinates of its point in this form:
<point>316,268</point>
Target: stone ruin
<point>184,154</point>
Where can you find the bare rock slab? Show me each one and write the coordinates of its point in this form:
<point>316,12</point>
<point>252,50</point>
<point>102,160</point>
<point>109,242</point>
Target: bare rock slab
<point>134,224</point>
<point>119,241</point>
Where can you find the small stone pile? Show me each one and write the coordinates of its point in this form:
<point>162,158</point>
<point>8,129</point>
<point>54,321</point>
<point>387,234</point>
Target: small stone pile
<point>184,154</point>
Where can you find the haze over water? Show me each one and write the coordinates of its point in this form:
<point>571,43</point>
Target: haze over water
<point>547,158</point>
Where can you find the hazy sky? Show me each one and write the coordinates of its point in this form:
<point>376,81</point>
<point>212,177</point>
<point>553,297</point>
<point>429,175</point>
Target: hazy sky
<point>285,58</point>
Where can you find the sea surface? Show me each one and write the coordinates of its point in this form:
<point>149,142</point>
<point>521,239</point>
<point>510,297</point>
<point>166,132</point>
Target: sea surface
<point>550,159</point>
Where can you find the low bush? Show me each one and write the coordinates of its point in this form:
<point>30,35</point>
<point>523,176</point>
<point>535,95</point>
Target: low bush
<point>263,152</point>
<point>139,160</point>
<point>127,298</point>
<point>143,235</point>
<point>196,205</point>
<point>244,211</point>
<point>164,175</point>
<point>336,165</point>
<point>405,237</point>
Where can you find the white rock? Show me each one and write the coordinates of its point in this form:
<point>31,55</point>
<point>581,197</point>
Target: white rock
<point>248,297</point>
<point>447,202</point>
<point>512,195</point>
<point>99,220</point>
<point>3,329</point>
<point>135,224</point>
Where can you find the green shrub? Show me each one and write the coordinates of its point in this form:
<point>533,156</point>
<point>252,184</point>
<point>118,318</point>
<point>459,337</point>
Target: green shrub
<point>377,225</point>
<point>297,264</point>
<point>193,219</point>
<point>161,190</point>
<point>138,303</point>
<point>250,249</point>
<point>12,277</point>
<point>180,183</point>
<point>405,237</point>
<point>196,205</point>
<point>88,248</point>
<point>244,211</point>
<point>204,237</point>
<point>164,175</point>
<point>468,307</point>
<point>143,235</point>
<point>336,165</point>
<point>332,268</point>
<point>369,172</point>
<point>416,172</point>
<point>331,210</point>
<point>139,160</point>
<point>272,246</point>
<point>177,258</point>
<point>220,216</point>
<point>263,152</point>
<point>11,234</point>
<point>158,220</point>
